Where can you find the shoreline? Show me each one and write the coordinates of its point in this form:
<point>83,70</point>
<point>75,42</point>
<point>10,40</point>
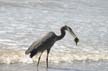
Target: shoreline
<point>11,56</point>
<point>78,66</point>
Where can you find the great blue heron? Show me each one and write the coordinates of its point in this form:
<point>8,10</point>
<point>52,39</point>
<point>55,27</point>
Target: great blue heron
<point>47,42</point>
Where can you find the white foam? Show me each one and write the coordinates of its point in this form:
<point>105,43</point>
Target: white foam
<point>9,56</point>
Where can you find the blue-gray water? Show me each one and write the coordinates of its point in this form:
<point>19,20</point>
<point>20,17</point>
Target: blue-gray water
<point>24,21</point>
<point>78,66</point>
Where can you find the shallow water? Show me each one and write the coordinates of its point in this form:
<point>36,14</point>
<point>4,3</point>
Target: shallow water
<point>24,21</point>
<point>9,56</point>
<point>76,66</point>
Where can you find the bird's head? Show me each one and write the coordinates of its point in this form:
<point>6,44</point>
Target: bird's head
<point>72,33</point>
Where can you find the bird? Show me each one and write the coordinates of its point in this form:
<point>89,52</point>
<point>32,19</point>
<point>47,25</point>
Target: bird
<point>47,42</point>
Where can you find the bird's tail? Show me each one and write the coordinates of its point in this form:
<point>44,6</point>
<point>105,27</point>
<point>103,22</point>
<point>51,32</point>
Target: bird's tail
<point>28,50</point>
<point>34,52</point>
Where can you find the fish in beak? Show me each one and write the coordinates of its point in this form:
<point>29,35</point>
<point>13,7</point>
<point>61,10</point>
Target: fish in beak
<point>76,40</point>
<point>73,34</point>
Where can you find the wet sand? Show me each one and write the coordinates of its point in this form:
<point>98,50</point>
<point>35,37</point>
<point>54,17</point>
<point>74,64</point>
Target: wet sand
<point>31,67</point>
<point>75,66</point>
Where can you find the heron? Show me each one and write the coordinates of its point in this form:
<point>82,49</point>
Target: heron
<point>47,42</point>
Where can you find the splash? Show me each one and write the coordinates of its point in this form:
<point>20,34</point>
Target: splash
<point>9,56</point>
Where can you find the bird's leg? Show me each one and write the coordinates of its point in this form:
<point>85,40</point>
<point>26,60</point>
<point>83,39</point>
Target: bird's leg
<point>39,59</point>
<point>48,50</point>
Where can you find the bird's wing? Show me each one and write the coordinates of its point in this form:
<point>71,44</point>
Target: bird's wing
<point>37,43</point>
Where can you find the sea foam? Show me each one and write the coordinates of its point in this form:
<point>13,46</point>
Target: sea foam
<point>9,56</point>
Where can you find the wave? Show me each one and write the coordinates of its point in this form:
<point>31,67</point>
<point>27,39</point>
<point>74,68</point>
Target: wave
<point>9,56</point>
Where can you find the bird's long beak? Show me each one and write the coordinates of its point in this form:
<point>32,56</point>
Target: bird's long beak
<point>73,34</point>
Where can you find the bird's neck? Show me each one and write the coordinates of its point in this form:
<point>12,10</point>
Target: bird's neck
<point>61,35</point>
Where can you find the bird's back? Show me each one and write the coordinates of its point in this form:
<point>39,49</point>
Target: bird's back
<point>42,44</point>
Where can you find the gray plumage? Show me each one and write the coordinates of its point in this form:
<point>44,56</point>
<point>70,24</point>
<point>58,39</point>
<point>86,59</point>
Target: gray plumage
<point>47,42</point>
<point>42,43</point>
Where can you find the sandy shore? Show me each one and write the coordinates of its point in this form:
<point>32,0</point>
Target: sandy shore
<point>76,66</point>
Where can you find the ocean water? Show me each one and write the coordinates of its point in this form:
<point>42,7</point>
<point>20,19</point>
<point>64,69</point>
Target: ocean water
<point>76,66</point>
<point>24,21</point>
